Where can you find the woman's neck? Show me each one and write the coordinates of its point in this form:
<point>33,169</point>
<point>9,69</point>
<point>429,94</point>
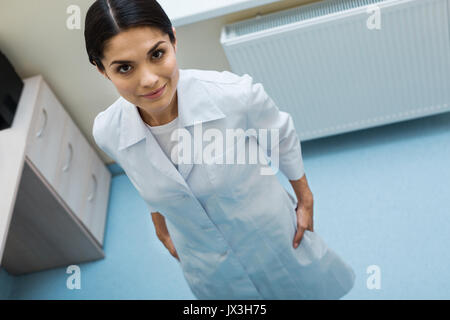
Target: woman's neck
<point>160,119</point>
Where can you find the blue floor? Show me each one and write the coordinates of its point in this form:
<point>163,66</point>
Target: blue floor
<point>382,197</point>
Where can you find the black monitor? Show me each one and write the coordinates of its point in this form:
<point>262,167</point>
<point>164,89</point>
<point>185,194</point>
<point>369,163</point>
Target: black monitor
<point>11,86</point>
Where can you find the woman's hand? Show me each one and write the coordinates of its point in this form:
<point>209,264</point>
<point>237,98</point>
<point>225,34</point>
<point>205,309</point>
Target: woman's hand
<point>304,221</point>
<point>167,242</point>
<point>163,234</point>
<point>304,210</point>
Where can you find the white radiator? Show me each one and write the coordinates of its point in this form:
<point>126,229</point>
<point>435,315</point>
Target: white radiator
<point>323,65</point>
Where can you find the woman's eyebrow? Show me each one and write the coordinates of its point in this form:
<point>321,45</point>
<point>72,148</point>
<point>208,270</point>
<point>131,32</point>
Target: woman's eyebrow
<point>148,53</point>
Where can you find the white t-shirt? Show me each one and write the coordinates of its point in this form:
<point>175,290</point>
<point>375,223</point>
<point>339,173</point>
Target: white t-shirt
<point>162,134</point>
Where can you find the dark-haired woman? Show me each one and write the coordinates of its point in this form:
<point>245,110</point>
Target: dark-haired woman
<point>237,233</point>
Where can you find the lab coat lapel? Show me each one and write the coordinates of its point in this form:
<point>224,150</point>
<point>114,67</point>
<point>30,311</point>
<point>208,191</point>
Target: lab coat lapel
<point>159,160</point>
<point>195,105</point>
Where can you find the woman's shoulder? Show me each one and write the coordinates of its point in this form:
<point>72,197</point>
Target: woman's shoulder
<point>105,117</point>
<point>222,85</point>
<point>106,124</point>
<point>214,76</point>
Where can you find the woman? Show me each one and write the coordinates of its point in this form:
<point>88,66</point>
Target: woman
<point>237,233</point>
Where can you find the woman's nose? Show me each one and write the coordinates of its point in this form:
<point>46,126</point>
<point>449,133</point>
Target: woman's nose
<point>149,79</point>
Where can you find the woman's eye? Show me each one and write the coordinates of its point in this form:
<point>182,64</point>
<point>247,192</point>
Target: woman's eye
<point>160,56</point>
<point>120,68</point>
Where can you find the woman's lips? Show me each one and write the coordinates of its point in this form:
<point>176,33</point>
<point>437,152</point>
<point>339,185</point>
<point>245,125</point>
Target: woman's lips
<point>156,94</point>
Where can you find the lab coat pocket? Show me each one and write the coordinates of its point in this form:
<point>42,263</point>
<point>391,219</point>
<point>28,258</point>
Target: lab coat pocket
<point>311,248</point>
<point>292,204</point>
<point>294,218</point>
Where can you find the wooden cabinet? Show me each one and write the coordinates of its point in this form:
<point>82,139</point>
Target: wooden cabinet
<point>57,187</point>
<point>47,127</point>
<point>71,170</point>
<point>95,199</point>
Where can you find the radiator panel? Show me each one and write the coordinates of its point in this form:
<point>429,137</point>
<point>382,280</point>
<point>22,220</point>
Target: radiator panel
<point>334,75</point>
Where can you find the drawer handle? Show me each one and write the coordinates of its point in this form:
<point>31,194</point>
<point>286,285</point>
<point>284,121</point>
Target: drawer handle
<point>41,130</point>
<point>69,161</point>
<point>94,191</point>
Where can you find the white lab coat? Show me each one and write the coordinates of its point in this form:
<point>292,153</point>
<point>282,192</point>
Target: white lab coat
<point>236,241</point>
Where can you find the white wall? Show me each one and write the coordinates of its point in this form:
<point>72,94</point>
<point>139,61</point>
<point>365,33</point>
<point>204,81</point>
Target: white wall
<point>34,36</point>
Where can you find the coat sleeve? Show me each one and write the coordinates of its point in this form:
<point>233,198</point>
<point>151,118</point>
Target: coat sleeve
<point>151,208</point>
<point>263,113</point>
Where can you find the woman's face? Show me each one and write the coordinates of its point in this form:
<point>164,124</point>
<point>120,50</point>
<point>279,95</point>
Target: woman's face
<point>139,61</point>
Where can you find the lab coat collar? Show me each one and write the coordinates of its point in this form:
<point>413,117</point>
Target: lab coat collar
<point>195,105</point>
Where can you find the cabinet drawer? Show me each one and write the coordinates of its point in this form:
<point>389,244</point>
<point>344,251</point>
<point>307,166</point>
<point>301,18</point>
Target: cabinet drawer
<point>96,197</point>
<point>46,132</point>
<point>72,175</point>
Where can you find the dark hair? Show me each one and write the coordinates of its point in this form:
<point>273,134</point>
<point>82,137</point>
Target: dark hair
<point>107,18</point>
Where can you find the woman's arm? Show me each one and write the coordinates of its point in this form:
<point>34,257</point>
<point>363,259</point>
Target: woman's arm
<point>303,192</point>
<point>160,225</point>
<point>163,234</point>
<point>305,208</point>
